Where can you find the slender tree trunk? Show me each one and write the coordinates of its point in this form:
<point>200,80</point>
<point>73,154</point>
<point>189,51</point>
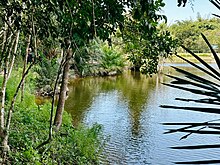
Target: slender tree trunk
<point>2,114</point>
<point>50,137</point>
<point>93,15</point>
<point>4,41</point>
<point>3,91</point>
<point>25,65</point>
<point>63,90</point>
<point>6,55</point>
<point>54,94</point>
<point>6,50</point>
<point>6,147</point>
<point>13,56</point>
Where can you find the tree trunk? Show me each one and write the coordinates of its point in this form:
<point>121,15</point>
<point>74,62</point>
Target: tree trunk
<point>3,93</point>
<point>50,137</point>
<point>5,81</point>
<point>93,15</point>
<point>13,56</point>
<point>63,91</point>
<point>6,51</point>
<point>5,145</point>
<point>25,65</point>
<point>2,122</point>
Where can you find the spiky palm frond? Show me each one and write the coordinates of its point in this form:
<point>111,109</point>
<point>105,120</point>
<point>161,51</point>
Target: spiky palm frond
<point>202,86</point>
<point>206,86</point>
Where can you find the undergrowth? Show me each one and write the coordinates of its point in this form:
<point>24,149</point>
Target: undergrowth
<point>30,127</point>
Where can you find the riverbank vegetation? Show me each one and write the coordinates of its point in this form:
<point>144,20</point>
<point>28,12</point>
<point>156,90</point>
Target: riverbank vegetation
<point>43,43</point>
<point>29,128</point>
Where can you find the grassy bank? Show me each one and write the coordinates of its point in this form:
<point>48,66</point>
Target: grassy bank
<point>205,56</point>
<point>30,127</point>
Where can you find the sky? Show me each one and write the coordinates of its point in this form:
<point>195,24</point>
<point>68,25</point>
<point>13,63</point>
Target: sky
<point>173,13</point>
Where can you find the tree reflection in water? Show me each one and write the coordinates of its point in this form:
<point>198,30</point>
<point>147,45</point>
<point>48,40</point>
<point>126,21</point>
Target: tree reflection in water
<point>133,88</point>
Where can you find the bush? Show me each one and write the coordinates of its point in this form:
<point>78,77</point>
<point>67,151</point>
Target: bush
<point>111,60</point>
<point>46,72</point>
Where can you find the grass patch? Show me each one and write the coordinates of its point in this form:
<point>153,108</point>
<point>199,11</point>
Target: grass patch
<point>205,56</point>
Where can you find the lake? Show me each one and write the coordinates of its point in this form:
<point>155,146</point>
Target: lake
<point>127,106</point>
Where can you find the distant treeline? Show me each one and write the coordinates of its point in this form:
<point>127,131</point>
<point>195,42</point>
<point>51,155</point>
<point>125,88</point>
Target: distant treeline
<point>188,32</point>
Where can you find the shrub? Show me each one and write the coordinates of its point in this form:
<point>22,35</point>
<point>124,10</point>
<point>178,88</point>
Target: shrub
<point>46,72</point>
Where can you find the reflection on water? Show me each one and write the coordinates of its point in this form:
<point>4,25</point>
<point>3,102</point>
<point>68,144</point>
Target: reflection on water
<point>132,87</point>
<point>128,108</point>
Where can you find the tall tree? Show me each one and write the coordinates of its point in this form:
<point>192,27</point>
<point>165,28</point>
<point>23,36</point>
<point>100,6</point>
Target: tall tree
<point>97,19</point>
<point>144,41</point>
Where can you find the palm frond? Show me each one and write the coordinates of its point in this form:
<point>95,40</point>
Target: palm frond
<point>215,3</point>
<point>207,86</point>
<point>196,77</point>
<point>197,109</point>
<point>205,101</point>
<point>200,162</point>
<point>187,82</point>
<point>196,91</point>
<point>215,74</point>
<point>216,15</point>
<point>212,50</point>
<point>197,147</point>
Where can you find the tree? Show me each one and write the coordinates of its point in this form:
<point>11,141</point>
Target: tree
<point>144,41</point>
<point>188,33</point>
<point>17,17</point>
<point>106,17</point>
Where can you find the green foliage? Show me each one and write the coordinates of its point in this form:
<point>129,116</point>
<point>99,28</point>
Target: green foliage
<point>13,83</point>
<point>205,88</point>
<point>73,24</point>
<point>46,72</point>
<point>70,146</point>
<point>111,60</point>
<point>145,43</point>
<point>98,58</point>
<point>188,33</point>
<point>30,127</point>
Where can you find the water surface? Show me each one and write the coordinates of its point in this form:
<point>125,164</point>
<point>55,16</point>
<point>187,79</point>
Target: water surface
<point>128,108</point>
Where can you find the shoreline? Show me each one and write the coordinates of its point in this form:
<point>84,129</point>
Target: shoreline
<point>208,57</point>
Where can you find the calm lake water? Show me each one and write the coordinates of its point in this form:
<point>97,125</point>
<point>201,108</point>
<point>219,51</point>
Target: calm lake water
<point>128,108</point>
